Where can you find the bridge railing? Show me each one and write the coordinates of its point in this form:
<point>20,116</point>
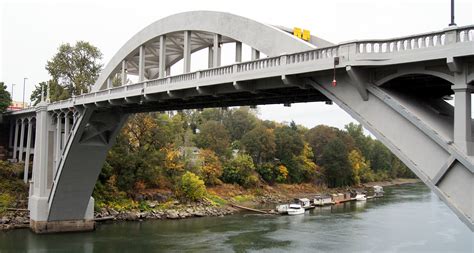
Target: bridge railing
<point>425,40</point>
<point>401,44</point>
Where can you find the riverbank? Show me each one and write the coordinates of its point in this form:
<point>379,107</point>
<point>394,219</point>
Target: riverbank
<point>218,203</point>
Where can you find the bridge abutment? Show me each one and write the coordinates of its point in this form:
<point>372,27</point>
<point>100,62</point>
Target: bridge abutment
<point>40,224</point>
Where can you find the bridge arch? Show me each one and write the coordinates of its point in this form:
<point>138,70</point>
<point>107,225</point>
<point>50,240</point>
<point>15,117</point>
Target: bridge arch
<point>412,72</point>
<point>142,53</point>
<point>427,85</point>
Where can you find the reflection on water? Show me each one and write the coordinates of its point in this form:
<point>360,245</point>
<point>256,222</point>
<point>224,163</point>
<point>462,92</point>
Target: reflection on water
<point>408,219</point>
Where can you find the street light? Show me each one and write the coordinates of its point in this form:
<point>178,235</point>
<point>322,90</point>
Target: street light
<point>452,14</point>
<point>24,81</point>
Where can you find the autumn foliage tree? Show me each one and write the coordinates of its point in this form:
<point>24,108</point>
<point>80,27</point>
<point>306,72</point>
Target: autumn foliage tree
<point>214,136</point>
<point>210,167</point>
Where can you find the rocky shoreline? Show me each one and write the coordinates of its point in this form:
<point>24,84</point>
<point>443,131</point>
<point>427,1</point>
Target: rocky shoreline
<point>19,218</point>
<point>182,212</point>
<point>14,219</point>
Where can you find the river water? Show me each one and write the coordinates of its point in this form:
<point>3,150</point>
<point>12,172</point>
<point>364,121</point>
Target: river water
<point>408,219</point>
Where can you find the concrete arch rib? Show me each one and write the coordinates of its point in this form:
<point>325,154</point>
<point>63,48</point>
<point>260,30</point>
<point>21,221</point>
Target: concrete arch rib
<point>265,38</point>
<point>441,75</point>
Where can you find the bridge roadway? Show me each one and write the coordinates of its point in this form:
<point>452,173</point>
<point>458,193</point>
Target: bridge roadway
<point>396,88</point>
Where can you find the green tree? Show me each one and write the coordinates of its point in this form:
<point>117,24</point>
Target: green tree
<point>238,122</point>
<point>335,161</point>
<point>260,144</point>
<point>74,68</point>
<point>5,97</point>
<point>363,143</point>
<point>380,157</point>
<point>240,170</point>
<point>56,92</point>
<point>213,136</point>
<point>289,143</point>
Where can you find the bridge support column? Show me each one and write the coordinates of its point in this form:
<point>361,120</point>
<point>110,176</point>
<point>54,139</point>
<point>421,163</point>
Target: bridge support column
<point>38,202</point>
<point>162,56</point>
<point>216,59</point>
<point>462,114</point>
<point>22,140</point>
<point>124,72</point>
<point>15,140</point>
<point>255,54</point>
<point>238,51</point>
<point>44,180</point>
<point>66,128</point>
<point>187,52</point>
<point>141,64</point>
<point>28,148</point>
<point>57,142</point>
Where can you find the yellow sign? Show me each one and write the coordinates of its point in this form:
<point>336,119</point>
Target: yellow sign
<point>302,33</point>
<point>306,35</point>
<point>297,32</point>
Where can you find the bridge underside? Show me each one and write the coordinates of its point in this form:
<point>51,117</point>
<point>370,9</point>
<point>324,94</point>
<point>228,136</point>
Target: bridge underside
<point>271,96</point>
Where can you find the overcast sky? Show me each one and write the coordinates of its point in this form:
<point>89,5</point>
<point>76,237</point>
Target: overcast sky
<point>31,31</point>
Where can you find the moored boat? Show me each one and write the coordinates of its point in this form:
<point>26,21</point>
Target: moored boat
<point>360,197</point>
<point>304,202</point>
<point>378,191</point>
<point>282,209</point>
<point>295,209</point>
<point>322,200</point>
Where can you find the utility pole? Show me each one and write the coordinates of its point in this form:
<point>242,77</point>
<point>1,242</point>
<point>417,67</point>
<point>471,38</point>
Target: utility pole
<point>13,85</point>
<point>452,14</point>
<point>24,81</point>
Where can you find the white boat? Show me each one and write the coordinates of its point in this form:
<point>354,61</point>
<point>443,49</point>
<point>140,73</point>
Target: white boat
<point>360,197</point>
<point>282,209</point>
<point>295,209</point>
<point>378,190</point>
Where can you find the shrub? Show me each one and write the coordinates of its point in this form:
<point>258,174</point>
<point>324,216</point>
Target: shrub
<point>191,187</point>
<point>5,201</point>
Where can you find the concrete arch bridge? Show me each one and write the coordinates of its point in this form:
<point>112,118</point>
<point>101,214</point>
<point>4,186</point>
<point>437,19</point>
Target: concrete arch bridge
<point>397,88</point>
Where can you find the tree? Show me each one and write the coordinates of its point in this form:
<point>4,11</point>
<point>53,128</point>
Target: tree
<point>238,122</point>
<point>5,97</point>
<point>363,143</point>
<point>240,170</point>
<point>335,161</point>
<point>288,142</point>
<point>318,138</point>
<point>380,157</point>
<point>210,167</point>
<point>260,144</point>
<point>56,92</point>
<point>309,170</point>
<point>360,167</point>
<point>74,68</point>
<point>213,136</point>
